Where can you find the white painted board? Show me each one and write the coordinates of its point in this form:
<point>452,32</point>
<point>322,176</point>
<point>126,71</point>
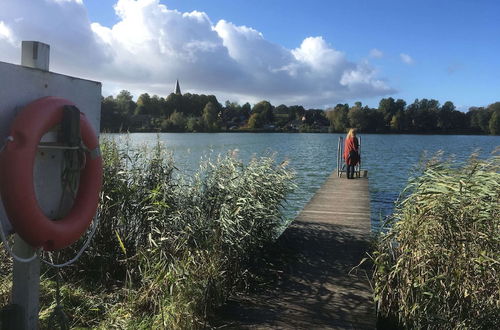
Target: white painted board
<point>21,85</point>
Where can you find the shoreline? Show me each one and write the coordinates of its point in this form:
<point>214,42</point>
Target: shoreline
<point>309,132</point>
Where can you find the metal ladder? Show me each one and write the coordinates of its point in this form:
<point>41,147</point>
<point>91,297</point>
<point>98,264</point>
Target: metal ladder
<point>341,167</point>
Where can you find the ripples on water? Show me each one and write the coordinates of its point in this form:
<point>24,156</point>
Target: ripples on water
<point>389,159</point>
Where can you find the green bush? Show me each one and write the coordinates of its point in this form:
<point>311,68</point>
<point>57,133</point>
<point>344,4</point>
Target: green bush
<point>170,249</point>
<point>438,265</point>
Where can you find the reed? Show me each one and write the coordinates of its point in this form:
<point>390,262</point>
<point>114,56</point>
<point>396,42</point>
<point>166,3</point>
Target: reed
<point>438,264</point>
<point>169,248</point>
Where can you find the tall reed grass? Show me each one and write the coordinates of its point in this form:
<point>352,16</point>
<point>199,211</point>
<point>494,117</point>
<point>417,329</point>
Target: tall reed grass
<point>169,249</point>
<point>438,265</point>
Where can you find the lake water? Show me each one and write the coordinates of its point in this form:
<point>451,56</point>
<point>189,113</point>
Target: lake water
<point>389,159</point>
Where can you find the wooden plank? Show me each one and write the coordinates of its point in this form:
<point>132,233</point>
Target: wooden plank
<point>318,288</point>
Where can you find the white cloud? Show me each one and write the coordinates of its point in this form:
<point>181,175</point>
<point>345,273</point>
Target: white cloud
<point>6,33</point>
<point>407,59</point>
<point>152,45</point>
<point>376,53</point>
<point>315,53</point>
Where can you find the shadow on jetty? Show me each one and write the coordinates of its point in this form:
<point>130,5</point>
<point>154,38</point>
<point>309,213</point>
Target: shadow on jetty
<point>306,281</point>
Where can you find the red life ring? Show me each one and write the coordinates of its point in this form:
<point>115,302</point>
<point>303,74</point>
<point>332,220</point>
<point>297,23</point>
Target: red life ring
<point>16,178</point>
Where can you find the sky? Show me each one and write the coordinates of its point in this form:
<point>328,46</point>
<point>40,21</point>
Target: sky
<point>312,53</point>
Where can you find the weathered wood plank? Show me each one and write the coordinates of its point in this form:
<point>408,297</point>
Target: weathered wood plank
<point>318,288</point>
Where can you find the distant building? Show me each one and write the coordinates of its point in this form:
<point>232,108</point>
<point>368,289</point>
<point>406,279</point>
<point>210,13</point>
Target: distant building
<point>177,88</point>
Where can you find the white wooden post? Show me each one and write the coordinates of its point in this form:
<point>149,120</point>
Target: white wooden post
<point>26,276</point>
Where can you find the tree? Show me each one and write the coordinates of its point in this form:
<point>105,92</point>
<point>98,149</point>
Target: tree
<point>193,124</point>
<point>210,117</point>
<point>448,106</point>
<point>494,107</point>
<point>400,122</point>
<point>256,120</point>
<point>339,122</point>
<point>125,103</point>
<point>111,119</point>
<point>296,112</point>
<point>358,117</point>
<point>156,105</point>
<point>246,109</point>
<point>376,122</point>
<point>400,105</point>
<point>388,108</point>
<point>172,103</point>
<point>232,114</point>
<point>423,115</point>
<point>143,105</point>
<point>265,109</point>
<point>494,124</point>
<point>281,115</point>
<point>281,110</point>
<point>479,119</point>
<point>316,117</point>
<point>445,116</point>
<point>178,121</point>
<point>396,122</point>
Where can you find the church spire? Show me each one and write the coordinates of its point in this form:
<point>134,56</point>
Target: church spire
<point>177,88</point>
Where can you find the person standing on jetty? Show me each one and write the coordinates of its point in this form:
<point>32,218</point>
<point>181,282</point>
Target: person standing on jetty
<point>351,152</point>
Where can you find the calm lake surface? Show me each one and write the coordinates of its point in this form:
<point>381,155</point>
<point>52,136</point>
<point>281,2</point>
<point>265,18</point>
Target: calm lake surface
<point>389,159</point>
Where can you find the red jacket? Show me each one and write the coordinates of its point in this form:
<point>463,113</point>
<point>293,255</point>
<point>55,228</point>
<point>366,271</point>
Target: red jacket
<point>351,144</point>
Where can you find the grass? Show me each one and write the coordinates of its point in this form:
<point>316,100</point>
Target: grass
<point>438,264</point>
<point>168,249</point>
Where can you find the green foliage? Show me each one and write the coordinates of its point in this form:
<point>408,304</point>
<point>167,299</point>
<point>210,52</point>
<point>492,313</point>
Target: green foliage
<point>438,265</point>
<point>228,215</point>
<point>154,113</point>
<point>124,102</point>
<point>256,120</point>
<point>479,119</point>
<point>175,123</point>
<point>296,112</point>
<point>358,117</point>
<point>494,124</point>
<point>168,249</point>
<point>210,117</point>
<point>265,111</point>
<point>339,121</point>
<point>194,124</point>
<point>111,118</point>
<point>397,121</point>
<point>389,108</point>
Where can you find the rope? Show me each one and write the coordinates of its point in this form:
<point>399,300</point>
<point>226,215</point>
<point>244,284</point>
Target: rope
<point>70,182</point>
<point>35,255</point>
<point>83,248</point>
<point>58,317</point>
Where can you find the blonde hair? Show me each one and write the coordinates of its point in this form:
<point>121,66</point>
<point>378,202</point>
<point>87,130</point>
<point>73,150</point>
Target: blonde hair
<point>352,133</point>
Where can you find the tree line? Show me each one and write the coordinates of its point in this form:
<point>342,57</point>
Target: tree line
<point>203,113</point>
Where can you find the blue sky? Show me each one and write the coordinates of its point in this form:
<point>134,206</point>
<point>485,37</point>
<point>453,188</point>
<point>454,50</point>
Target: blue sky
<point>316,53</point>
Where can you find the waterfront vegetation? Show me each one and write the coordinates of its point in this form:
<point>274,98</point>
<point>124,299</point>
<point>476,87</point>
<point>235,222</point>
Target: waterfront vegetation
<point>202,113</point>
<point>438,264</point>
<point>168,249</point>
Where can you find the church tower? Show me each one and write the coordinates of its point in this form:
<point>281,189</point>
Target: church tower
<point>177,88</point>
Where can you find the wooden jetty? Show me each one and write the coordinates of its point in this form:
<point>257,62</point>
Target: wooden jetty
<point>314,285</point>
